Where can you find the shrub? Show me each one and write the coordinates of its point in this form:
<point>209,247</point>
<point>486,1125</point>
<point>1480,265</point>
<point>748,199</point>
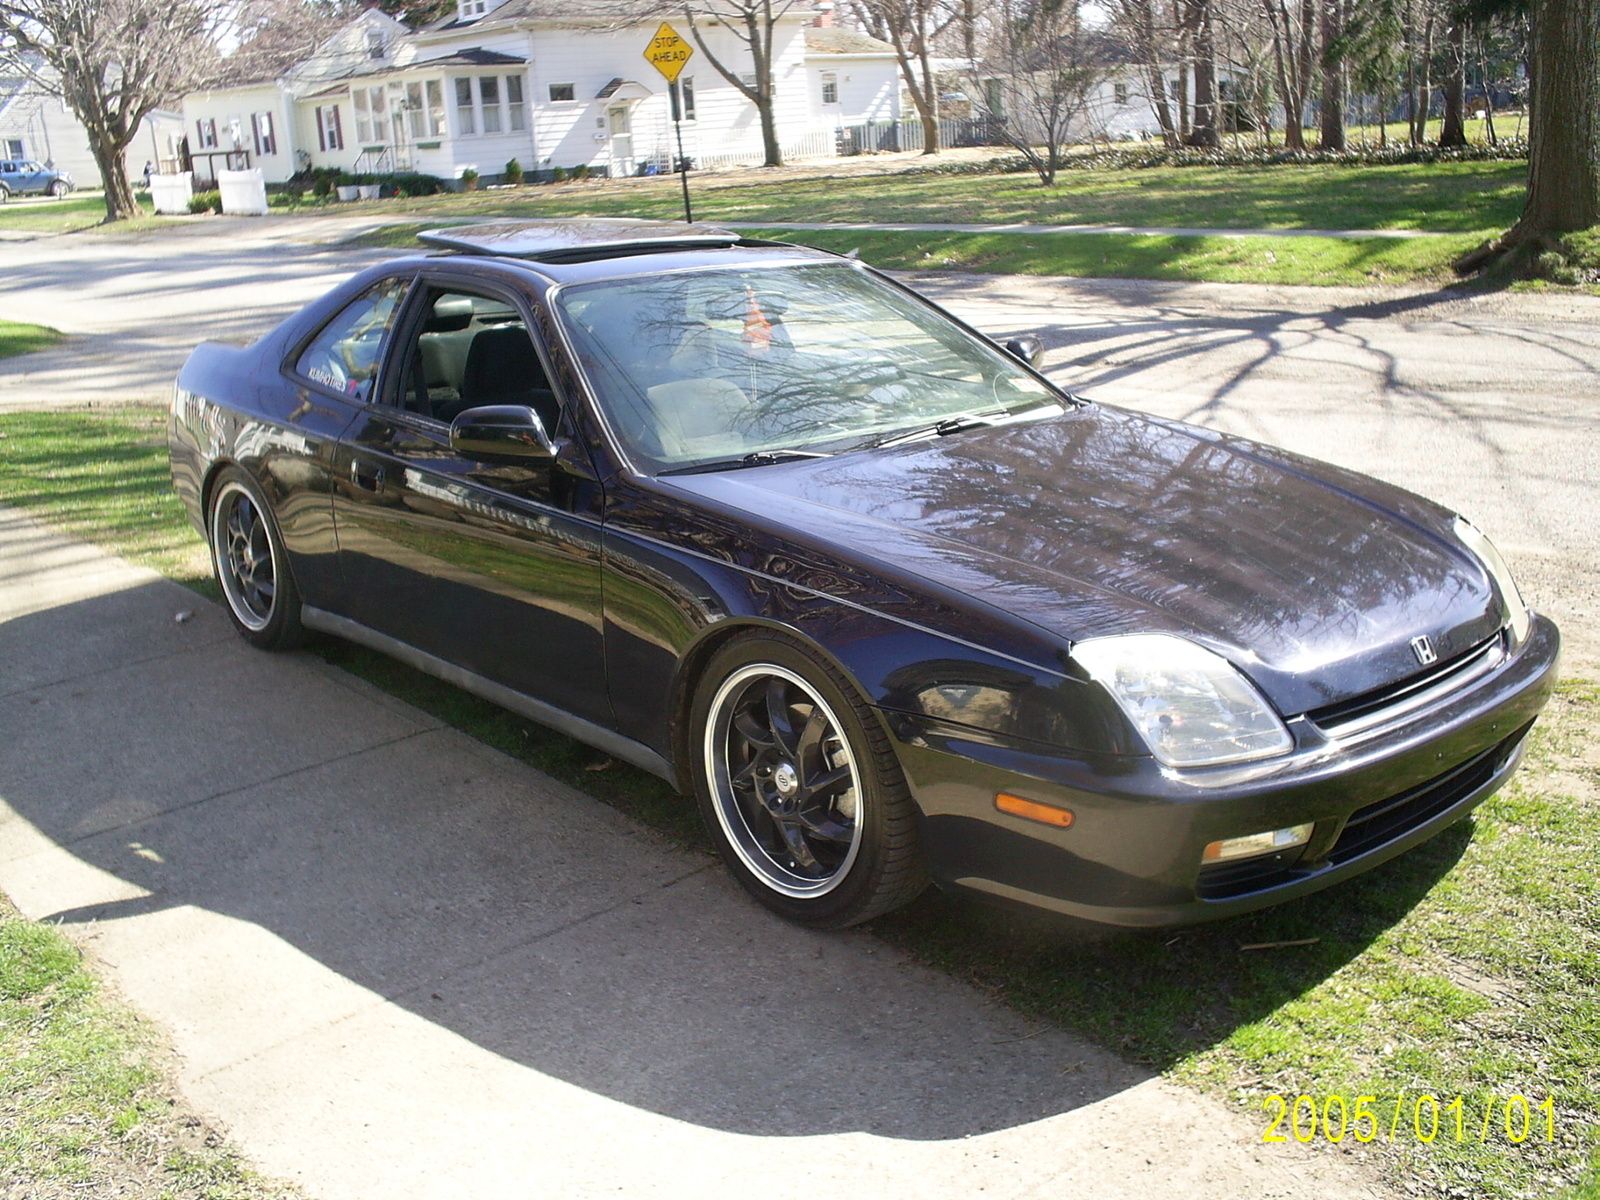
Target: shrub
<point>205,202</point>
<point>469,180</point>
<point>581,171</point>
<point>558,174</point>
<point>1139,157</point>
<point>416,185</point>
<point>513,173</point>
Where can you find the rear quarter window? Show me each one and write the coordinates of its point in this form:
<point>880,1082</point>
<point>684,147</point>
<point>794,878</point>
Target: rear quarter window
<point>345,354</point>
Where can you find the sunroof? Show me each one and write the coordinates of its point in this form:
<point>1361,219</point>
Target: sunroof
<point>566,239</point>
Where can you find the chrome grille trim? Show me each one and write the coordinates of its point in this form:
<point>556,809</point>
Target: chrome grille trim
<point>1386,706</point>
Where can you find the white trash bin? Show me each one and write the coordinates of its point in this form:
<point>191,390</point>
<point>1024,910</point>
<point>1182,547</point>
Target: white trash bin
<point>244,193</point>
<point>172,193</point>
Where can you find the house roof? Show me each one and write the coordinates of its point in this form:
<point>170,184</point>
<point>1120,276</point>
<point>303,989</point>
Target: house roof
<point>475,56</point>
<point>843,41</point>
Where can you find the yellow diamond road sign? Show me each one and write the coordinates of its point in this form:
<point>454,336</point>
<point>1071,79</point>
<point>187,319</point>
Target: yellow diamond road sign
<point>668,52</point>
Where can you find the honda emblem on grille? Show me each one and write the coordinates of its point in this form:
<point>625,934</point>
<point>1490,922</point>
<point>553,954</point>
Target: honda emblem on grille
<point>1422,647</point>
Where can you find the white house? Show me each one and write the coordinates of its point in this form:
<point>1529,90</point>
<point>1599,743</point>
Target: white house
<point>850,78</point>
<point>41,127</point>
<point>539,81</point>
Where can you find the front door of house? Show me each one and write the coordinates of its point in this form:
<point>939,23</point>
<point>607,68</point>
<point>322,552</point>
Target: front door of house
<point>401,138</point>
<point>620,123</point>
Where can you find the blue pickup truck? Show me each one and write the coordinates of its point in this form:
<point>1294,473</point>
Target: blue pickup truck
<point>22,177</point>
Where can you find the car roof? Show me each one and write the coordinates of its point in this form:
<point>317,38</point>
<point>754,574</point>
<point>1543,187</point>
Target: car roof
<point>605,247</point>
<point>555,240</point>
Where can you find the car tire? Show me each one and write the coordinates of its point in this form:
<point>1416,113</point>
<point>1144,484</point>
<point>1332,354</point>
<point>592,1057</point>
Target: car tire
<point>799,787</point>
<point>59,188</point>
<point>5,193</point>
<point>247,554</point>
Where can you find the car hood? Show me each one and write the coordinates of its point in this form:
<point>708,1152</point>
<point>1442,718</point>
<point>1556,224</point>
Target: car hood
<point>1312,580</point>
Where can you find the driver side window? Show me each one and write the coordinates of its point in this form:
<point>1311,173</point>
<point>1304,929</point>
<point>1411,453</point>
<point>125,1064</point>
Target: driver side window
<point>344,356</point>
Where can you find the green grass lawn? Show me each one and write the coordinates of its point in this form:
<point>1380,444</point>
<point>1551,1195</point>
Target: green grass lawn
<point>1322,262</point>
<point>1467,968</point>
<point>81,210</point>
<point>17,338</point>
<point>84,1107</point>
<point>1440,197</point>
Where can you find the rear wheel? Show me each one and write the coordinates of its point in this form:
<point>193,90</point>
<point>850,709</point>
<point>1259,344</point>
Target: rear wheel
<point>252,568</point>
<point>799,787</point>
<point>5,193</point>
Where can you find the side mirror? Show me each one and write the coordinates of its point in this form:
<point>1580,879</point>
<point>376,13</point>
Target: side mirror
<point>1027,347</point>
<point>500,431</point>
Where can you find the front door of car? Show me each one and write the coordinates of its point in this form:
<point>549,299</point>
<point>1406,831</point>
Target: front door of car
<point>493,567</point>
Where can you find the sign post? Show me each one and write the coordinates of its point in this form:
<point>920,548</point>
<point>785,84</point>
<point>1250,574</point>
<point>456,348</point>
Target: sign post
<point>668,53</point>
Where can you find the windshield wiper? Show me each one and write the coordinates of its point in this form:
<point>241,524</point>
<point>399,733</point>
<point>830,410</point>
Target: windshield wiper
<point>758,458</point>
<point>960,423</point>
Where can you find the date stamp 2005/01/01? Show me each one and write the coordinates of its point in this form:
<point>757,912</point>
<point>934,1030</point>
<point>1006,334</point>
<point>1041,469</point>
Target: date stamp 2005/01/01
<point>1423,1118</point>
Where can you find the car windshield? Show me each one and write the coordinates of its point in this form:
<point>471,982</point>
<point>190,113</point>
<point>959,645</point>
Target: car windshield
<point>725,367</point>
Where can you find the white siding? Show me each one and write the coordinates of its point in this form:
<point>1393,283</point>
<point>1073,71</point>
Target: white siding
<point>232,109</point>
<point>869,89</point>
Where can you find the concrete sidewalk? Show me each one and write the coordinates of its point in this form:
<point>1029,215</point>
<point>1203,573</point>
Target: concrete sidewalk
<point>396,963</point>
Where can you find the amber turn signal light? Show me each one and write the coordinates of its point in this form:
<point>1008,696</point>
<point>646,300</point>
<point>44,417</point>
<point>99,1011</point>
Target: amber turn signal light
<point>1033,810</point>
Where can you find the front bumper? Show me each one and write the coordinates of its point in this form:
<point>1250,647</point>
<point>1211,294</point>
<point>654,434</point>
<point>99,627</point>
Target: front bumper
<point>1132,855</point>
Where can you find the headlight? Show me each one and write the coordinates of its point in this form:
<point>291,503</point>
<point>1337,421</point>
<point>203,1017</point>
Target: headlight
<point>1516,609</point>
<point>1192,707</point>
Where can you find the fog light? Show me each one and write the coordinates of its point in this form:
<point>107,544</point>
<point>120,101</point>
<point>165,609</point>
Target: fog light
<point>1033,810</point>
<point>1257,843</point>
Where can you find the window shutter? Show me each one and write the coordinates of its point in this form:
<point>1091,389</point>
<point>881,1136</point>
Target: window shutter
<point>255,132</point>
<point>322,137</point>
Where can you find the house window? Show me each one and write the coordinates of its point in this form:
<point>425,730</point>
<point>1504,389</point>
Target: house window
<point>1120,90</point>
<point>377,44</point>
<point>435,92</point>
<point>205,130</point>
<point>466,10</point>
<point>994,97</point>
<point>489,93</point>
<point>261,131</point>
<point>330,132</point>
<point>369,105</point>
<point>686,95</point>
<point>465,122</point>
<point>562,93</point>
<point>14,147</point>
<point>514,106</point>
<point>830,88</point>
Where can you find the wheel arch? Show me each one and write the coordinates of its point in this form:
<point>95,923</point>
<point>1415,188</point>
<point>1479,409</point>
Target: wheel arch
<point>692,666</point>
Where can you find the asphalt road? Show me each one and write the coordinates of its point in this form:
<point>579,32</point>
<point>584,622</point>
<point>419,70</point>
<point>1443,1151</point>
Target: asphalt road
<point>1489,403</point>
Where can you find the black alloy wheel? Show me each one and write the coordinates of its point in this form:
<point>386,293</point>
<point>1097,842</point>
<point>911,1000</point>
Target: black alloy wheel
<point>247,555</point>
<point>799,787</point>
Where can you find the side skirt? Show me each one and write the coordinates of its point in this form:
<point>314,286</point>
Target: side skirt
<point>613,743</point>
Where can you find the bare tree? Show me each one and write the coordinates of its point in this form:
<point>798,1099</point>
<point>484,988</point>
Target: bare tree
<point>754,23</point>
<point>911,26</point>
<point>1146,31</point>
<point>1047,66</point>
<point>112,62</point>
<point>274,35</point>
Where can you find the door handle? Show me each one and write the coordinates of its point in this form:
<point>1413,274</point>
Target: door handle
<point>366,476</point>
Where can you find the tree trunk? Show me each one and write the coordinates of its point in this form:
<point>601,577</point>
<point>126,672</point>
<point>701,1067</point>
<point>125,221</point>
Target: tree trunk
<point>1184,128</point>
<point>1454,130</point>
<point>1158,100</point>
<point>120,203</point>
<point>1204,132</point>
<point>1293,98</point>
<point>1332,123</point>
<point>1564,120</point>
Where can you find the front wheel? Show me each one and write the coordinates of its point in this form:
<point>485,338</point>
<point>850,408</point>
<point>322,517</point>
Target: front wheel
<point>248,556</point>
<point>799,787</point>
<point>59,188</point>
